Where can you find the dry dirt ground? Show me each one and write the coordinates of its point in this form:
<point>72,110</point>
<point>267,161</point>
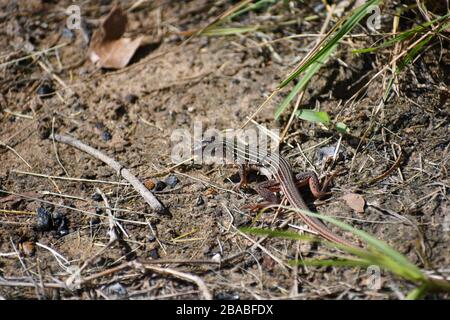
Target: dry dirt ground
<point>130,115</point>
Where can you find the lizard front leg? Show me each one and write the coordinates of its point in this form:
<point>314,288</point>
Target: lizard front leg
<point>267,190</point>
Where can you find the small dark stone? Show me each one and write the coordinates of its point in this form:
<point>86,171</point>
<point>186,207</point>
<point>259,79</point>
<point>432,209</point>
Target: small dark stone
<point>99,126</point>
<point>97,197</point>
<point>235,81</point>
<point>117,289</point>
<point>199,201</point>
<point>131,98</point>
<point>57,218</point>
<point>61,223</point>
<point>98,211</point>
<point>44,220</point>
<point>106,136</point>
<point>45,90</point>
<point>94,221</point>
<point>171,181</point>
<point>44,129</point>
<point>227,296</point>
<point>154,253</point>
<point>94,224</point>
<point>159,186</point>
<point>119,111</point>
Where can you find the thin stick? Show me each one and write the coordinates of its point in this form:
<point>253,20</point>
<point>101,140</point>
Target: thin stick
<point>16,153</point>
<point>37,53</point>
<point>182,275</point>
<point>56,149</point>
<point>125,173</point>
<point>17,212</point>
<point>27,284</point>
<point>111,218</point>
<point>19,115</point>
<point>75,209</point>
<point>69,179</point>
<point>26,270</point>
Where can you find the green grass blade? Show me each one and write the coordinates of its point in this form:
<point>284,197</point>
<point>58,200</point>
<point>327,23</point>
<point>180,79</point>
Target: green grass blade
<point>342,127</point>
<point>355,17</point>
<point>331,263</point>
<point>404,35</point>
<point>226,31</point>
<point>395,260</point>
<point>408,59</point>
<point>253,6</point>
<point>418,293</point>
<point>290,235</point>
<point>314,116</point>
<point>299,86</point>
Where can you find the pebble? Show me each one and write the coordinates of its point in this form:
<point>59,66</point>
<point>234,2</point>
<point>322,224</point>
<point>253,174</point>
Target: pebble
<point>117,289</point>
<point>119,111</point>
<point>106,135</point>
<point>61,223</point>
<point>45,90</point>
<point>171,181</point>
<point>199,201</point>
<point>153,253</point>
<point>227,296</point>
<point>131,98</point>
<point>97,197</point>
<point>159,186</point>
<point>149,184</point>
<point>44,220</point>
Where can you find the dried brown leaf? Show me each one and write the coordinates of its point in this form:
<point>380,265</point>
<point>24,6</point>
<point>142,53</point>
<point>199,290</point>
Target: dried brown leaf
<point>108,48</point>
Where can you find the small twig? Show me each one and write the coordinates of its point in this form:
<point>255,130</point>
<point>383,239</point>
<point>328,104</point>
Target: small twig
<point>182,275</point>
<point>156,236</point>
<point>36,288</point>
<point>58,256</point>
<point>75,209</point>
<point>283,265</point>
<point>56,149</point>
<point>112,221</point>
<point>49,193</point>
<point>16,153</point>
<point>68,178</point>
<point>9,254</point>
<point>386,173</point>
<point>19,115</point>
<point>125,173</point>
<point>293,114</point>
<point>17,212</point>
<point>8,283</point>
